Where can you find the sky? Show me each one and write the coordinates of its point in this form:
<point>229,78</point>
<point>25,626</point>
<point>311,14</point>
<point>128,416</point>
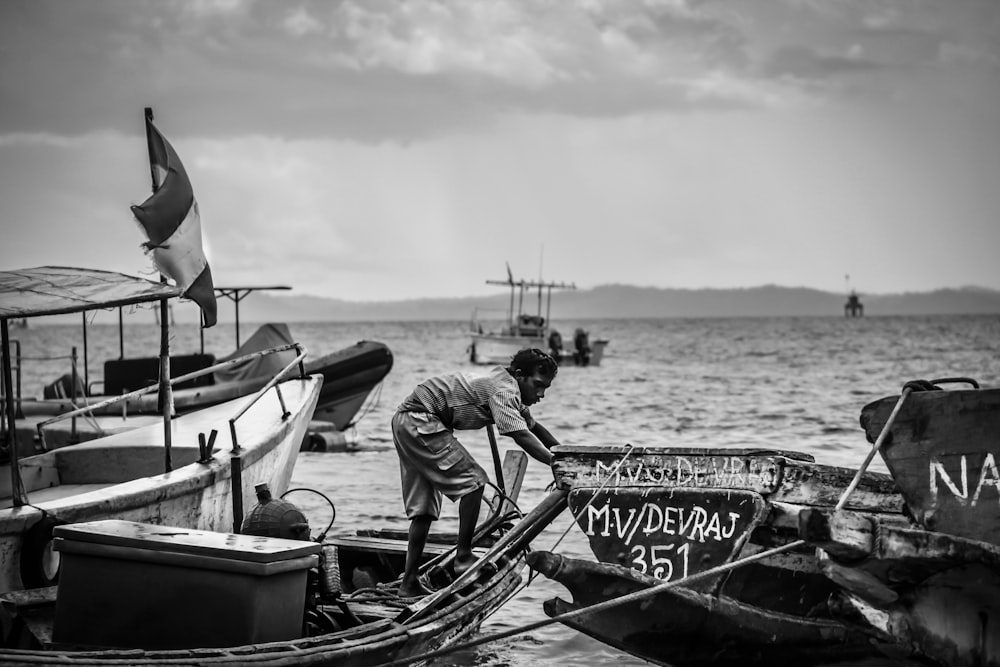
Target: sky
<point>378,150</point>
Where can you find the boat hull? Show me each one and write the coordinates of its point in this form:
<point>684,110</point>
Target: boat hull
<point>935,592</point>
<point>349,377</point>
<point>657,515</point>
<point>685,628</point>
<point>369,645</point>
<point>498,349</point>
<point>943,450</point>
<point>120,476</point>
<point>378,628</point>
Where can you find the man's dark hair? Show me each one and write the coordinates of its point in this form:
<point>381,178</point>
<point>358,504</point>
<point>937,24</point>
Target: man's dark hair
<point>531,360</point>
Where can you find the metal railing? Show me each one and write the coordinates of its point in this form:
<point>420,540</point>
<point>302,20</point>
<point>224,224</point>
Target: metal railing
<point>298,361</point>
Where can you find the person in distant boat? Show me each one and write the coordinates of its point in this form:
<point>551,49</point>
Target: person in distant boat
<point>581,341</point>
<point>555,344</point>
<point>432,461</point>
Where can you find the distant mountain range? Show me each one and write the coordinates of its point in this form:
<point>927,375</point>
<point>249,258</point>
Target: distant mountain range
<point>615,301</point>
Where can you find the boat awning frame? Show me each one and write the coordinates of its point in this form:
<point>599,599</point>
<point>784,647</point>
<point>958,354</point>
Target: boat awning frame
<point>57,290</point>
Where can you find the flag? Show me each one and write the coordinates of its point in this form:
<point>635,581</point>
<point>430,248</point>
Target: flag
<point>169,218</point>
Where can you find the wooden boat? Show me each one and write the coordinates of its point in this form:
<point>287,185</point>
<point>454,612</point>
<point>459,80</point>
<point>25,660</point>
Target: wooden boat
<point>341,614</point>
<point>681,626</point>
<point>936,585</point>
<point>524,329</point>
<point>172,472</point>
<point>659,514</point>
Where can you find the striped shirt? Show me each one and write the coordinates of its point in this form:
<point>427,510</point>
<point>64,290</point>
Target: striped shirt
<point>463,401</point>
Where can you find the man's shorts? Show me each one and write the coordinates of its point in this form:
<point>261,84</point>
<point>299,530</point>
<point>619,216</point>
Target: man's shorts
<point>432,462</point>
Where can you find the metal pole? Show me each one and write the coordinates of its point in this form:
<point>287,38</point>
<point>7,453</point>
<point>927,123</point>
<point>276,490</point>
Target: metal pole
<point>72,394</point>
<point>86,377</point>
<point>548,307</point>
<point>520,304</point>
<point>510,308</point>
<point>17,358</point>
<point>8,388</point>
<point>236,465</point>
<point>236,300</point>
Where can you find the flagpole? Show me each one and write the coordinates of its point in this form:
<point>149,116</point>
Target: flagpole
<point>166,400</point>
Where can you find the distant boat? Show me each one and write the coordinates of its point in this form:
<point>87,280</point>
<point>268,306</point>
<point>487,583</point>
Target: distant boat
<point>854,307</point>
<point>523,329</point>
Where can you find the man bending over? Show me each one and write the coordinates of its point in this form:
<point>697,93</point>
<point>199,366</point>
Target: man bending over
<point>433,462</point>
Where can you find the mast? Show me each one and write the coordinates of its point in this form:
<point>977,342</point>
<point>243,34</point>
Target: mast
<point>528,285</point>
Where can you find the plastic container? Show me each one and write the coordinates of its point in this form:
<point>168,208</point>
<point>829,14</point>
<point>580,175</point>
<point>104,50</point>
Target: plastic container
<point>133,585</point>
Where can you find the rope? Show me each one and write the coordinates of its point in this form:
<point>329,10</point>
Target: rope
<point>600,606</point>
<point>534,575</point>
<point>649,592</point>
<point>370,403</point>
<point>908,388</point>
<point>628,451</point>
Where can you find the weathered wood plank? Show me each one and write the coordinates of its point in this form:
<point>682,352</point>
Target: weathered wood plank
<point>843,534</point>
<point>777,477</point>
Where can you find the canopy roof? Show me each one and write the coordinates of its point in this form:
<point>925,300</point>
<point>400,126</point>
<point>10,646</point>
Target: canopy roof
<point>54,290</point>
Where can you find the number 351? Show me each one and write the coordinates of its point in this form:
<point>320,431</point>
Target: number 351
<point>660,560</point>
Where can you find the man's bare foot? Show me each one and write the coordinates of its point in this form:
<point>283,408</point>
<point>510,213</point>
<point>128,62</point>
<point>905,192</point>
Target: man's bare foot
<point>412,590</point>
<point>463,564</point>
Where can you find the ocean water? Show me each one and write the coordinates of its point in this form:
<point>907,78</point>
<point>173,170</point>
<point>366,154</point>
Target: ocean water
<point>790,383</point>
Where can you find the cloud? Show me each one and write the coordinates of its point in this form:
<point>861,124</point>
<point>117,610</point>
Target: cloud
<point>385,149</point>
<point>298,69</point>
<point>801,62</point>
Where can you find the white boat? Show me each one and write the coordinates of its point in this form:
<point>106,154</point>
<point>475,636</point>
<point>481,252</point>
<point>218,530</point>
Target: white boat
<point>197,470</point>
<point>522,329</point>
<point>351,377</point>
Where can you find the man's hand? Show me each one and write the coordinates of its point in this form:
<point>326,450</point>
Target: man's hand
<point>527,441</point>
<point>543,435</point>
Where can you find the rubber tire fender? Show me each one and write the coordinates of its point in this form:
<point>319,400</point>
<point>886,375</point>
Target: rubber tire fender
<point>36,549</point>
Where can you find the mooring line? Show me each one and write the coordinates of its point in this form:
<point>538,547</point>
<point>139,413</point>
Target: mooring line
<point>607,481</point>
<point>533,575</point>
<point>600,606</point>
<point>907,388</point>
<point>649,592</point>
